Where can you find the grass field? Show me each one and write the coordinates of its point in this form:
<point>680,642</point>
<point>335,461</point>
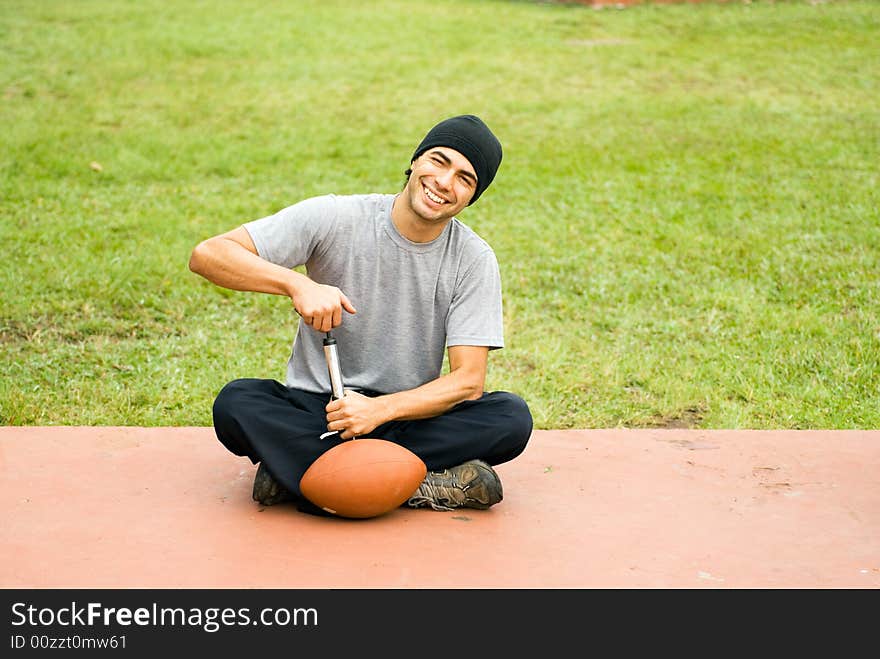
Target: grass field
<point>686,217</point>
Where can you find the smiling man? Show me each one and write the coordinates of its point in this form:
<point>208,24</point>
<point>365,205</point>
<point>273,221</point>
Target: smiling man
<point>401,282</point>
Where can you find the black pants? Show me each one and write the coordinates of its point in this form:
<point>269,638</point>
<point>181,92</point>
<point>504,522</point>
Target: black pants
<point>281,427</point>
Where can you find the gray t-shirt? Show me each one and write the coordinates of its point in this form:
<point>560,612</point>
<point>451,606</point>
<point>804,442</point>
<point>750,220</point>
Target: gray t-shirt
<point>412,299</point>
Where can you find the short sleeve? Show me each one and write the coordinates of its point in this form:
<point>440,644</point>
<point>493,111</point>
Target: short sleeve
<point>476,316</point>
<point>290,236</point>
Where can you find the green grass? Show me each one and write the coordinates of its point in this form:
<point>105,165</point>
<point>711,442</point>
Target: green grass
<point>686,217</point>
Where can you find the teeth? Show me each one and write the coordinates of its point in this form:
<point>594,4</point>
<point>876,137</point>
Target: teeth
<point>433,197</point>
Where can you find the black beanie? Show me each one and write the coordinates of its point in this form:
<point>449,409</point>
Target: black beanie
<point>468,135</point>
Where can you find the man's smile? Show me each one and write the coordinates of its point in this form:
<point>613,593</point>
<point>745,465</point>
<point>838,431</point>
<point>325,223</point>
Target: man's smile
<point>433,196</point>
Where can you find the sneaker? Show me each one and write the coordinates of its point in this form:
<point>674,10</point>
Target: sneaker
<point>473,484</point>
<point>267,490</point>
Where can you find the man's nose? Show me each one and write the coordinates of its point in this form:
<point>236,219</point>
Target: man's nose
<point>445,178</point>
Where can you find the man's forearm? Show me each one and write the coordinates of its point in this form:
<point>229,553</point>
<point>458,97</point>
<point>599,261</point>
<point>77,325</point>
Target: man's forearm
<point>231,260</point>
<point>355,415</point>
<point>228,264</point>
<point>432,398</point>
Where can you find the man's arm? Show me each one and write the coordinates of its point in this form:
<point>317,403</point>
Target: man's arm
<point>231,260</point>
<point>356,415</point>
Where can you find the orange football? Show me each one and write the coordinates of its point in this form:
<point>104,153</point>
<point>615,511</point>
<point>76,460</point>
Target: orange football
<point>363,478</point>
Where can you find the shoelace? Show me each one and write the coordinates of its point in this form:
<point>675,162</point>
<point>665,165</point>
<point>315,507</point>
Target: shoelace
<point>435,495</point>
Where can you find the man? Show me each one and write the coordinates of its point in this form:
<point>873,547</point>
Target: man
<point>398,279</point>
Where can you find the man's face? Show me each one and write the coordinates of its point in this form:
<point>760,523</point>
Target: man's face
<point>441,184</point>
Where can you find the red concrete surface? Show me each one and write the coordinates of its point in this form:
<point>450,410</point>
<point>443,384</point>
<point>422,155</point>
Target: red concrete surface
<point>170,508</point>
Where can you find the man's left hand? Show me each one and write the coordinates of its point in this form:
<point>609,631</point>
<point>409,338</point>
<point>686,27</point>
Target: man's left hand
<point>354,415</point>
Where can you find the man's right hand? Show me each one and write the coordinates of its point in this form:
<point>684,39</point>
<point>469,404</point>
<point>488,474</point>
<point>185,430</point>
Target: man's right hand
<point>320,305</point>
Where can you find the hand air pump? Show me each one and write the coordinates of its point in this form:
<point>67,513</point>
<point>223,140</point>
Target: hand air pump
<point>336,388</point>
<point>332,356</point>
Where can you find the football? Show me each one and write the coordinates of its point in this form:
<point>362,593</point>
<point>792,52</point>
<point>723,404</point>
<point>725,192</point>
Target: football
<point>363,478</point>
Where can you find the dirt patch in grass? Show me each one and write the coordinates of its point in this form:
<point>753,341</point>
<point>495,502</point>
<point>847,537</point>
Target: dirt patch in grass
<point>599,4</point>
<point>61,329</point>
<point>690,417</point>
